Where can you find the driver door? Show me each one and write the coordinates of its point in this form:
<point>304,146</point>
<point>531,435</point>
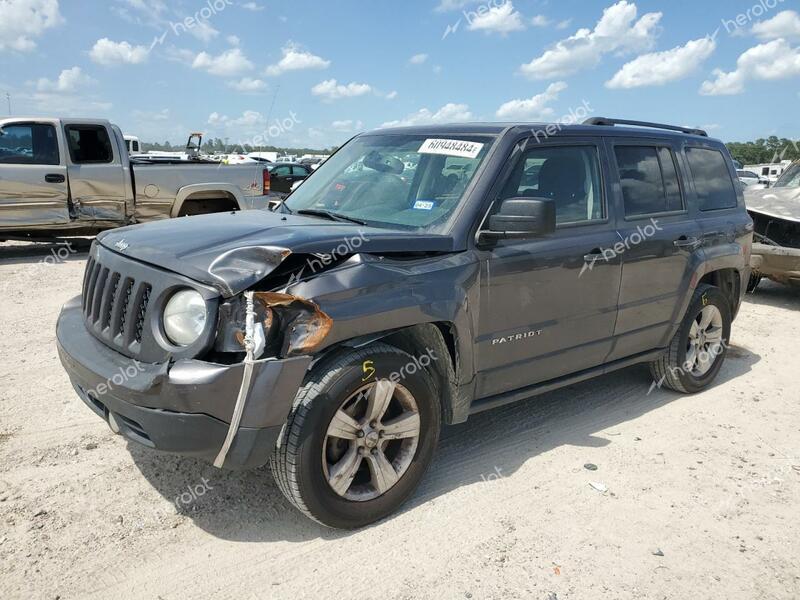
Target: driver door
<point>549,304</point>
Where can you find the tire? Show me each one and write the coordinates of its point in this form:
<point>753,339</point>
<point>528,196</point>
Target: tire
<point>302,463</point>
<point>671,369</point>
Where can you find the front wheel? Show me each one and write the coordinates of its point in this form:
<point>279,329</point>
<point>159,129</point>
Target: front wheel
<point>698,349</point>
<point>360,436</point>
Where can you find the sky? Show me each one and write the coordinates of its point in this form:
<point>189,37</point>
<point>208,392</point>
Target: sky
<point>312,74</point>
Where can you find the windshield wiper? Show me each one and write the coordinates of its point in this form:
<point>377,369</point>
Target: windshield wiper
<point>318,212</point>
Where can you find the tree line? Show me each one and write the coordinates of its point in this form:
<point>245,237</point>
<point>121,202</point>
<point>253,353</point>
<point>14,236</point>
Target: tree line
<point>220,146</point>
<point>770,150</point>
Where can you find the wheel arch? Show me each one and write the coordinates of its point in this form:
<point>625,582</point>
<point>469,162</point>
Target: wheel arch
<point>207,191</point>
<point>437,340</point>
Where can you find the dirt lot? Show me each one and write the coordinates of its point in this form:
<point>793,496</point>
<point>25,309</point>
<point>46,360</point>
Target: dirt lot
<point>702,500</point>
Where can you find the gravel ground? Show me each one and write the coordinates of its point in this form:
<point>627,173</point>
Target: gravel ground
<point>701,500</point>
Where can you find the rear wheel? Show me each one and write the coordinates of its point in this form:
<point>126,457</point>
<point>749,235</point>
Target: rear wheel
<point>360,436</point>
<point>698,349</point>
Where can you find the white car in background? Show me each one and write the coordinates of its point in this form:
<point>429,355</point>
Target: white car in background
<point>239,159</point>
<point>752,180</point>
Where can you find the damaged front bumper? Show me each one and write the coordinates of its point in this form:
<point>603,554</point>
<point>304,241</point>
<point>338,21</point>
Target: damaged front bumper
<point>777,263</point>
<point>183,407</point>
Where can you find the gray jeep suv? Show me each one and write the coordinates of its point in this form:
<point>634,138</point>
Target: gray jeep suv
<point>420,275</point>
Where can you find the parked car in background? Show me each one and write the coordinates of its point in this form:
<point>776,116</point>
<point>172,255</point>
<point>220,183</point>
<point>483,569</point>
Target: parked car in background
<point>334,337</point>
<point>264,156</point>
<point>776,215</point>
<point>75,176</point>
<point>752,180</point>
<point>133,145</point>
<point>283,176</point>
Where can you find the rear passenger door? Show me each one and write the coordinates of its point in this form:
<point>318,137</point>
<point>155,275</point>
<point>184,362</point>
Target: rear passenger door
<point>660,241</point>
<point>96,175</point>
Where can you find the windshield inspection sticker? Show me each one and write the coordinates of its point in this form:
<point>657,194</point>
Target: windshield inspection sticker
<point>451,148</point>
<point>423,205</point>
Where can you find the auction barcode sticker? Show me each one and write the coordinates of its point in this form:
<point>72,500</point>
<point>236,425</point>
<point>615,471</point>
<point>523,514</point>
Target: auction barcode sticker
<point>459,148</point>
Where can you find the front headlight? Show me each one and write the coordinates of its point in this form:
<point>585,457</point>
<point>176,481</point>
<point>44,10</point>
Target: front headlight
<point>185,317</point>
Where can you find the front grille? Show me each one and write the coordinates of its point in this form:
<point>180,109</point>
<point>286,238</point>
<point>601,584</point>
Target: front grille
<point>115,305</point>
<point>122,296</point>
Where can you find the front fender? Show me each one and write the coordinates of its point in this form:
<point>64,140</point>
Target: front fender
<point>370,295</point>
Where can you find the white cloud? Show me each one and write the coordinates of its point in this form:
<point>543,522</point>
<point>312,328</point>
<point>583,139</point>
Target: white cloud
<point>252,6</point>
<point>766,62</point>
<point>332,90</point>
<point>391,95</point>
<point>532,109</point>
<point>248,121</point>
<point>540,21</point>
<point>248,84</point>
<point>295,59</point>
<point>449,113</point>
<point>230,63</point>
<point>784,25</point>
<point>69,81</point>
<point>659,68</point>
<point>106,52</point>
<point>502,19</point>
<point>448,5</point>
<point>203,31</point>
<point>418,59</point>
<point>233,40</point>
<point>23,20</point>
<point>347,126</point>
<point>617,31</point>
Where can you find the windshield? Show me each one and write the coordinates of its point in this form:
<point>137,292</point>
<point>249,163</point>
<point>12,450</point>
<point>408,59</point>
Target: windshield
<point>395,181</point>
<point>790,177</point>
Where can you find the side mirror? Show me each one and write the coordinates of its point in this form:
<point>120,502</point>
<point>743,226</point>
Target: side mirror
<point>522,218</point>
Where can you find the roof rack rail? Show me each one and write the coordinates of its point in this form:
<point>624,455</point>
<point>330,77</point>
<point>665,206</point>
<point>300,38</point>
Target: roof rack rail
<point>612,122</point>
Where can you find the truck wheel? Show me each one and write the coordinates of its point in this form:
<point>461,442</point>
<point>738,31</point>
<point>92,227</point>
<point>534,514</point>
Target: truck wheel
<point>360,436</point>
<point>697,351</point>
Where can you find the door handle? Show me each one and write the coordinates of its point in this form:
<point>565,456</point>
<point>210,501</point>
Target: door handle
<point>687,242</point>
<point>54,178</point>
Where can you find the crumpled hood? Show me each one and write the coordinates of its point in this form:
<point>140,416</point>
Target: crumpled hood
<point>782,202</point>
<point>233,251</point>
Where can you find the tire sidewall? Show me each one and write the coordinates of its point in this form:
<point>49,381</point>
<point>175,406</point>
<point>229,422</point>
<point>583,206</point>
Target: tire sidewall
<point>319,497</point>
<point>708,296</point>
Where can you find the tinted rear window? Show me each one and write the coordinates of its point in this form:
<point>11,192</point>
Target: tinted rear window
<point>712,180</point>
<point>649,180</point>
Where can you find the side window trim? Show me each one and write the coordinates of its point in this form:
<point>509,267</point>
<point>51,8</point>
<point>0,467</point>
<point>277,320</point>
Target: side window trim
<point>674,152</point>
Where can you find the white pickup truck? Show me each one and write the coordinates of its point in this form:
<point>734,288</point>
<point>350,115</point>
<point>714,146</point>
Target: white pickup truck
<point>75,177</point>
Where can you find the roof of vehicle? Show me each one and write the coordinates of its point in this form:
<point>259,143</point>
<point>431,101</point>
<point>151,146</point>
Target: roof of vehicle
<point>486,128</point>
<point>285,164</point>
<point>55,120</point>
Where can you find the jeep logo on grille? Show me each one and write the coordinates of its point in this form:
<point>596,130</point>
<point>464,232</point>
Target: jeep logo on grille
<point>121,245</point>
